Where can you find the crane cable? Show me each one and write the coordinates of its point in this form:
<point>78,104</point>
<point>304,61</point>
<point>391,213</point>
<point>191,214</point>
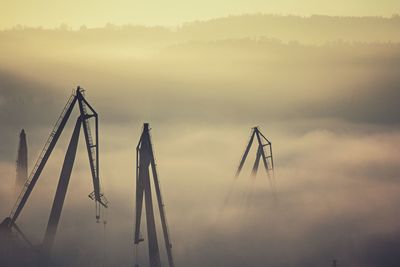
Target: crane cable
<point>137,253</point>
<point>136,256</point>
<point>105,215</point>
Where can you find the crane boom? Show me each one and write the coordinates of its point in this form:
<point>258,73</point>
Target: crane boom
<point>261,151</point>
<point>92,147</point>
<point>163,216</point>
<point>246,152</point>
<point>267,159</point>
<point>42,160</point>
<point>61,192</point>
<point>93,153</point>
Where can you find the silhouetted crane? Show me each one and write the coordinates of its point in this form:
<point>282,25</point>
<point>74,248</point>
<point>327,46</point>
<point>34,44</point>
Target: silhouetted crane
<point>266,156</point>
<point>92,145</point>
<point>22,161</point>
<point>145,160</point>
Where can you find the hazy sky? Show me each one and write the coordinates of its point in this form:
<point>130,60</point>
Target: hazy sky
<point>97,13</point>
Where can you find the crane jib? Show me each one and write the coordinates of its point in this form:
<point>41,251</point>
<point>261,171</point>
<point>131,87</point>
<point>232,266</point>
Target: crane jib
<point>87,113</point>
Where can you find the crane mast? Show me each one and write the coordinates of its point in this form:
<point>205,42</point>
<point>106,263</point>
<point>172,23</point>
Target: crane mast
<point>86,113</point>
<point>144,161</point>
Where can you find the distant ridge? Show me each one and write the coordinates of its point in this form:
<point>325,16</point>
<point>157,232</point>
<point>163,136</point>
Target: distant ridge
<point>314,29</point>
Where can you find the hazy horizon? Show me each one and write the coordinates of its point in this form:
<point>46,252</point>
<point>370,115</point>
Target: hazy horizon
<point>70,26</point>
<point>99,13</point>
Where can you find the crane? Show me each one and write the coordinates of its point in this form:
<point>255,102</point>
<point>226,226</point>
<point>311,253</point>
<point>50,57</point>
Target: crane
<point>266,157</point>
<point>22,161</point>
<point>87,113</point>
<point>144,161</point>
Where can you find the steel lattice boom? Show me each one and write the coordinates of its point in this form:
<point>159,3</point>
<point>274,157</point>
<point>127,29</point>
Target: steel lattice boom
<point>92,145</point>
<point>266,156</point>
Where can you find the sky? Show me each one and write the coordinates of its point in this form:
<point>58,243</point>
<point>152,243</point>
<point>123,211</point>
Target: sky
<point>93,13</point>
<point>323,90</point>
